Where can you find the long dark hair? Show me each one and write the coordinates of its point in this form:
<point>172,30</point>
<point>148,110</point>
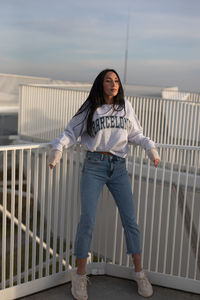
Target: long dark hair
<point>96,99</point>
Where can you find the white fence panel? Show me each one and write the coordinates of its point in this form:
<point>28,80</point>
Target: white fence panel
<point>40,210</point>
<point>44,113</point>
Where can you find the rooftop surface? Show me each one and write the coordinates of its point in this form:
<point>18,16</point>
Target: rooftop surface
<point>111,288</point>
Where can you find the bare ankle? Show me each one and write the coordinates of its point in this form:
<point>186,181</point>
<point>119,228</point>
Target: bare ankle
<point>81,272</point>
<point>81,266</point>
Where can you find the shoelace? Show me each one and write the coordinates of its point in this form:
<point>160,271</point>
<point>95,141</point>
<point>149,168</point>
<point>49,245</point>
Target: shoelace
<point>144,281</point>
<point>83,282</point>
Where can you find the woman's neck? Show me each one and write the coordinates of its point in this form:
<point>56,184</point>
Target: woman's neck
<point>108,99</point>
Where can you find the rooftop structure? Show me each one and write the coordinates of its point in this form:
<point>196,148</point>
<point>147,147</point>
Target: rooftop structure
<point>40,208</point>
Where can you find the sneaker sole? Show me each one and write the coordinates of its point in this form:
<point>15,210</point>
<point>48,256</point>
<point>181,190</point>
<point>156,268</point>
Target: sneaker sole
<point>148,296</point>
<point>75,297</point>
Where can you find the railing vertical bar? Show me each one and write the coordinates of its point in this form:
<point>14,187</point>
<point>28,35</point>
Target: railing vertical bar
<point>75,201</point>
<point>142,114</point>
<point>183,131</point>
<point>51,116</point>
<point>192,215</point>
<point>71,95</point>
<point>174,105</point>
<point>19,110</point>
<point>170,111</point>
<point>55,218</point>
<point>133,187</point>
<point>68,106</point>
<point>183,216</point>
<point>42,207</point>
<point>64,176</point>
<point>4,219</point>
<point>64,110</point>
<point>139,187</point>
<point>35,204</point>
<point>180,133</point>
<point>155,132</point>
<point>48,113</point>
<point>39,120</point>
<point>187,124</point>
<point>128,256</point>
<point>152,218</point>
<point>160,210</point>
<point>146,116</point>
<point>121,247</point>
<point>163,123</point>
<point>176,213</point>
<point>168,212</point>
<point>145,211</point>
<point>19,238</point>
<point>12,224</point>
<point>28,191</point>
<point>194,133</point>
<point>34,95</point>
<point>69,199</point>
<point>177,117</point>
<point>45,121</point>
<point>152,114</point>
<point>137,101</point>
<point>150,117</point>
<point>198,128</point>
<point>197,249</point>
<point>192,125</point>
<point>159,134</point>
<point>49,209</point>
<point>166,129</point>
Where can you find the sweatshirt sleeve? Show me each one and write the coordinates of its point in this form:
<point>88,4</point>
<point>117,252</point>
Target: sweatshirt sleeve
<point>135,135</point>
<point>75,128</point>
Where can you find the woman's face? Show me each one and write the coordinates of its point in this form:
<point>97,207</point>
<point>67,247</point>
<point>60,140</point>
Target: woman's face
<point>111,84</point>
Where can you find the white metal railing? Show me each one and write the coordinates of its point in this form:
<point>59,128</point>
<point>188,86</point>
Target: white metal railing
<point>44,113</point>
<point>39,216</point>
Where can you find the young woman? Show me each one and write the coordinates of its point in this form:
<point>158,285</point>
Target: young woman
<point>106,123</point>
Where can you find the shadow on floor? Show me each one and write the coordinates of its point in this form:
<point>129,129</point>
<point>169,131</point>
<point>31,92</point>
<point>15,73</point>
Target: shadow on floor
<point>111,288</point>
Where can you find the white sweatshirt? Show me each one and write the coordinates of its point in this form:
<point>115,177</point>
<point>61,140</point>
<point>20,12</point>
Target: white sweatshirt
<point>113,131</point>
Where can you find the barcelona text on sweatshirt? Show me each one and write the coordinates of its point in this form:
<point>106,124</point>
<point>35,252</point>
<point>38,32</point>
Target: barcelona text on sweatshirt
<point>113,131</point>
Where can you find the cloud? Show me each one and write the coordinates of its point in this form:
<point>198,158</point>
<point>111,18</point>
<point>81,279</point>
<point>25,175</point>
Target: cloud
<point>76,39</point>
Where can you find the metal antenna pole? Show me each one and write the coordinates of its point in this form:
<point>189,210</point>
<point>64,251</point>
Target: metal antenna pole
<point>126,49</point>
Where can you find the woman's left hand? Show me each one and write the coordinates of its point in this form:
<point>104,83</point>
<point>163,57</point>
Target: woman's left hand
<point>156,162</point>
<point>154,156</point>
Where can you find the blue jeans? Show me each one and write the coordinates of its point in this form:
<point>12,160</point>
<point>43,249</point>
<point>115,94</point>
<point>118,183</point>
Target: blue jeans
<point>100,169</point>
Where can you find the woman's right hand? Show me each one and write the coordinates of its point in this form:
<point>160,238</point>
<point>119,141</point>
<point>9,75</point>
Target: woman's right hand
<point>54,157</point>
<point>154,156</point>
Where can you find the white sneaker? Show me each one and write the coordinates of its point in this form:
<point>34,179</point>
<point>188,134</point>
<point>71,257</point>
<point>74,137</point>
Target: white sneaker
<point>79,286</point>
<point>144,286</point>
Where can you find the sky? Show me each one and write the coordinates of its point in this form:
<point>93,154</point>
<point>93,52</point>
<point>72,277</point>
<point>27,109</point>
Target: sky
<point>76,39</point>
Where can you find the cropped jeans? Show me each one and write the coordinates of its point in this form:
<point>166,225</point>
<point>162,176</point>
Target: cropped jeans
<point>99,169</point>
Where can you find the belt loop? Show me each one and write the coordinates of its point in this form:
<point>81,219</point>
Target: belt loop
<point>102,155</point>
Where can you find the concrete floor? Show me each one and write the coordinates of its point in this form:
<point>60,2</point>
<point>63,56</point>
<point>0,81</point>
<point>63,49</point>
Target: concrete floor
<point>111,288</point>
